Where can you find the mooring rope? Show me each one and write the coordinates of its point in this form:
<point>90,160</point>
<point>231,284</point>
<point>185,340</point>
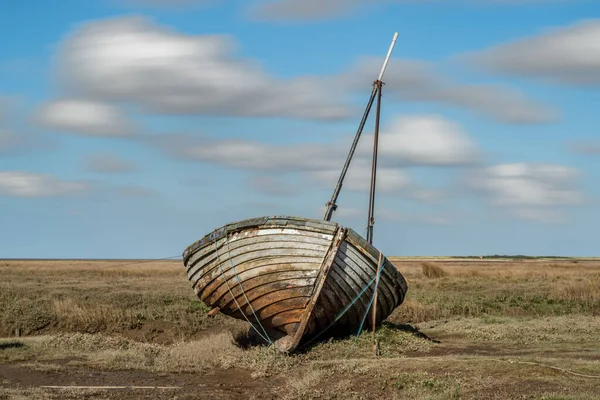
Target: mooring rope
<point>242,288</point>
<point>341,314</point>
<point>267,339</point>
<point>378,274</point>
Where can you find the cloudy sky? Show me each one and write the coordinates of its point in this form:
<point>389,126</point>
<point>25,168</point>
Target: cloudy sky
<point>132,128</point>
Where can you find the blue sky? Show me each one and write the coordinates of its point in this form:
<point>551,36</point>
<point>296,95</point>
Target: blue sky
<point>131,128</point>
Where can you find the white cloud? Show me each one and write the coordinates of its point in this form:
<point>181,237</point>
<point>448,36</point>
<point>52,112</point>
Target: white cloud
<point>134,60</point>
<point>251,155</point>
<point>410,141</point>
<point>27,184</point>
<point>84,117</point>
<point>387,215</point>
<point>359,178</point>
<point>422,140</point>
<point>530,191</point>
<point>394,216</point>
<point>390,181</point>
<point>108,163</point>
<point>412,80</point>
<point>568,54</point>
<point>530,184</point>
<point>315,10</point>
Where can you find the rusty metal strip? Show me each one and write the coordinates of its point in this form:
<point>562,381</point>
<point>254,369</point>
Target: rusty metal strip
<point>327,263</point>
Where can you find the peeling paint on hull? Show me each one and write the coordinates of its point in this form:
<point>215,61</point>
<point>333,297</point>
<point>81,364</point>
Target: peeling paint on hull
<point>296,275</point>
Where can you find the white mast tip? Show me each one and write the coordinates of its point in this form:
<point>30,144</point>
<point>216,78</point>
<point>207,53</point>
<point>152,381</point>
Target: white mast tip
<point>387,58</point>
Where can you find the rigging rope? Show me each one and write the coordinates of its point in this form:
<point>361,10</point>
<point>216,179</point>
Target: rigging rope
<point>242,289</point>
<point>341,314</point>
<point>378,274</point>
<point>266,339</point>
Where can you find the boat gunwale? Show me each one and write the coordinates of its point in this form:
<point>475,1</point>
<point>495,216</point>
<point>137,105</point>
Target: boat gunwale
<point>307,224</point>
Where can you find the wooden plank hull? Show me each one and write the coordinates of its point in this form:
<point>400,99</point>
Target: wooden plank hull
<point>294,279</point>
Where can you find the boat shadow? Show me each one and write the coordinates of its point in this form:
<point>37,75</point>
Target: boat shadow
<point>249,338</point>
<point>11,345</point>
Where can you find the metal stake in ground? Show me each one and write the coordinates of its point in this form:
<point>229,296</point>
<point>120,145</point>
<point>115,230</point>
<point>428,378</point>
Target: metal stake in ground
<point>374,307</point>
<point>331,204</point>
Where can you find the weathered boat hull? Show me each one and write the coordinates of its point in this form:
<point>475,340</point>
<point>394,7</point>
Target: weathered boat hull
<point>292,278</point>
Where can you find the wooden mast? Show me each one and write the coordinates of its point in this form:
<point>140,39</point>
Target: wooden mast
<point>331,204</point>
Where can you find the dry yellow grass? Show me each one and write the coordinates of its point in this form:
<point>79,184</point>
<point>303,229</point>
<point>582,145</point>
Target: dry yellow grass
<point>496,288</point>
<point>151,301</point>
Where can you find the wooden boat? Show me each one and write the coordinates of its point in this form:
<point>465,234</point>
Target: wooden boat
<point>292,278</point>
<point>297,279</point>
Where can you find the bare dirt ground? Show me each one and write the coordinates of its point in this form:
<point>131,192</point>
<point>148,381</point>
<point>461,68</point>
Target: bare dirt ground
<point>469,329</point>
<point>82,382</point>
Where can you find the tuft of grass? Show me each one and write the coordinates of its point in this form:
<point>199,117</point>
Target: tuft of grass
<point>304,385</point>
<point>431,270</point>
<point>585,291</point>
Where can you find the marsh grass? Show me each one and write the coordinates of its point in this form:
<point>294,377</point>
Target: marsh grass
<point>153,302</point>
<point>518,289</point>
<point>96,314</point>
<point>148,301</point>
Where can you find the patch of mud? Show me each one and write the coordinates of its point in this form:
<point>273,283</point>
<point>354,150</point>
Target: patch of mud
<point>219,384</point>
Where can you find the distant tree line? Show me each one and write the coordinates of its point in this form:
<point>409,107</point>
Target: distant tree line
<point>517,257</point>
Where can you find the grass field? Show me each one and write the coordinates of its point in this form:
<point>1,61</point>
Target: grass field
<point>469,329</point>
